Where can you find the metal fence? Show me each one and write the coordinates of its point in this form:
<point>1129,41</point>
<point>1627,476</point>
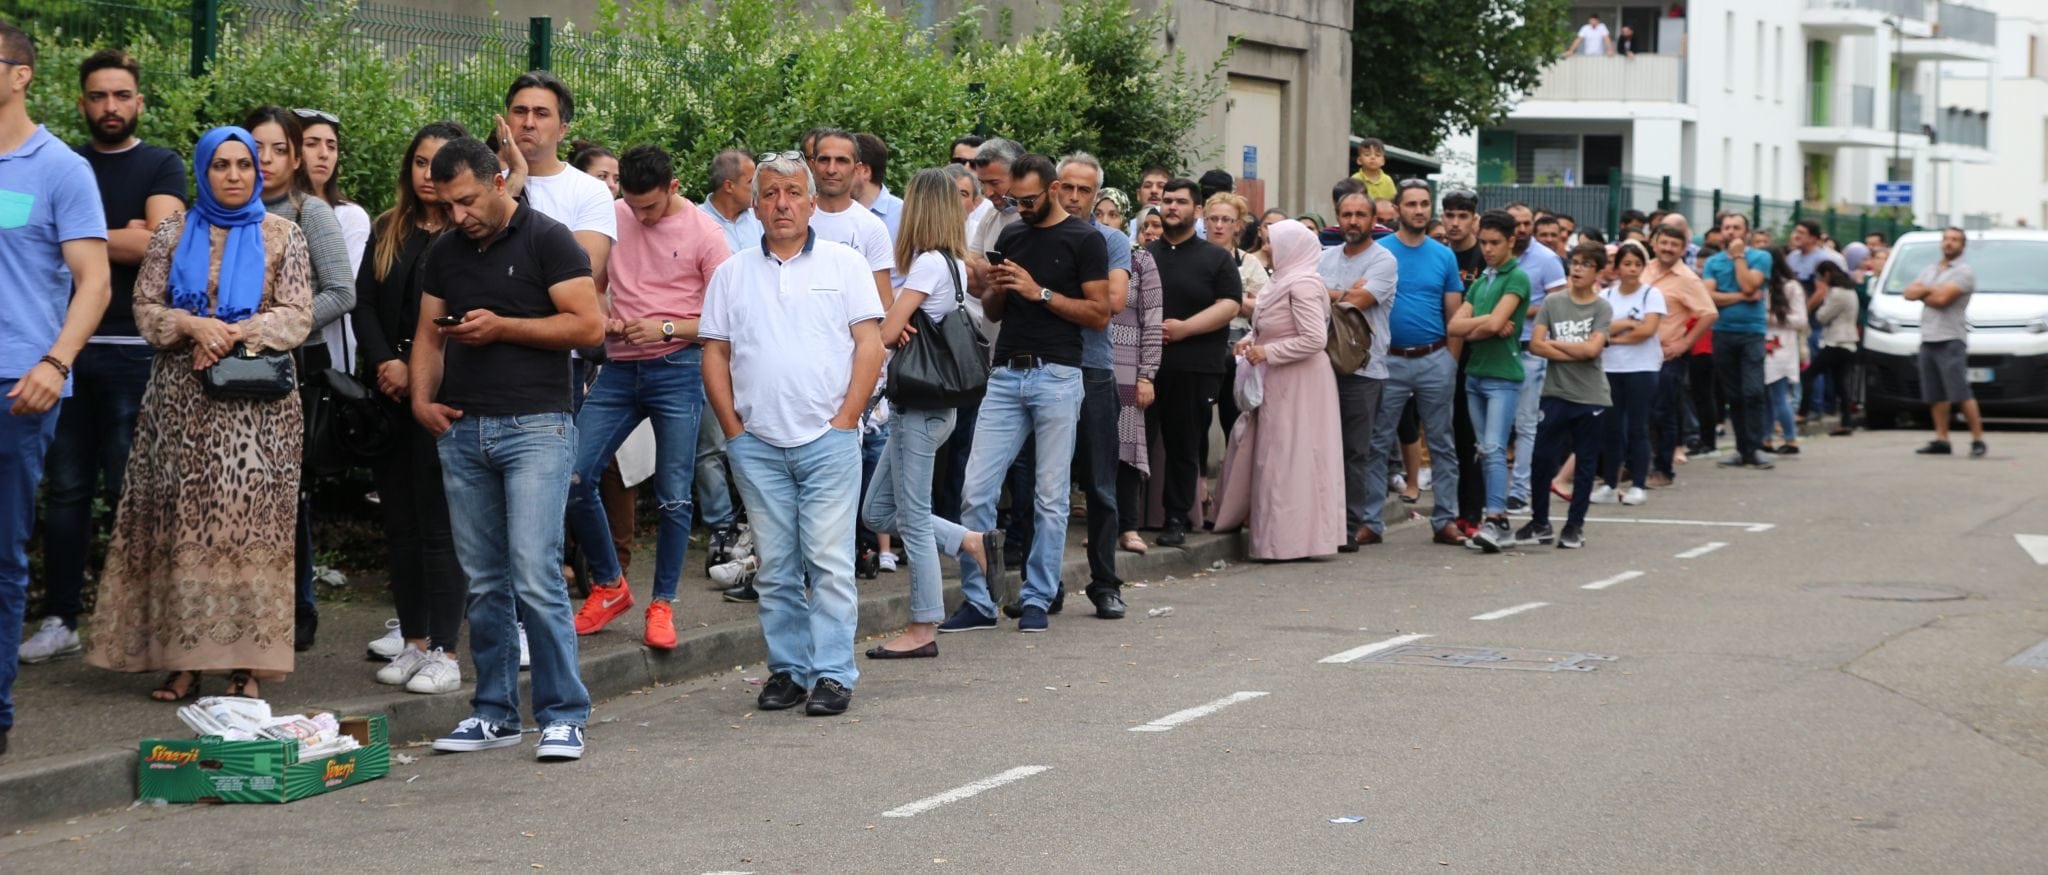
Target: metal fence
<point>1601,206</point>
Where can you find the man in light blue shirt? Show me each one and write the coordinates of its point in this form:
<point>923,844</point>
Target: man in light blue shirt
<point>54,286</point>
<point>1546,275</point>
<point>873,190</point>
<point>731,201</point>
<point>1735,279</point>
<point>730,204</point>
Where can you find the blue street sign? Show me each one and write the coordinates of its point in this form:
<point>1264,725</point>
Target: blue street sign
<point>1894,194</point>
<point>1251,162</point>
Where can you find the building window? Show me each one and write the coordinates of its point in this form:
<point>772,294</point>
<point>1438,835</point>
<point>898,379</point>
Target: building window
<point>1757,70</point>
<point>1728,55</point>
<point>1777,168</point>
<point>1778,65</point>
<point>1546,159</point>
<point>1756,168</point>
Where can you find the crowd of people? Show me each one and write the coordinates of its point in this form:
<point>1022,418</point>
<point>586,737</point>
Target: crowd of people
<point>516,316</point>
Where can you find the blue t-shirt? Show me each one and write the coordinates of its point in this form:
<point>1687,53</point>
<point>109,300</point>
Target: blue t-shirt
<point>1428,273</point>
<point>48,197</point>
<point>1096,351</point>
<point>1748,316</point>
<point>1546,271</point>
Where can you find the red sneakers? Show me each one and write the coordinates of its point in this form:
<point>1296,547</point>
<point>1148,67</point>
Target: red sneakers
<point>661,625</point>
<point>605,604</point>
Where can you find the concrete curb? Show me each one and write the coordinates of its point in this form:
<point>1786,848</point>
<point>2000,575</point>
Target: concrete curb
<point>90,781</point>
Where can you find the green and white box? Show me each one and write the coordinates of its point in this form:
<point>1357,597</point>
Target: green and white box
<point>213,769</point>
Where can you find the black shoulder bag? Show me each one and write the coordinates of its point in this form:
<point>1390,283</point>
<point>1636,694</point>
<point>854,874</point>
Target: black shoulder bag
<point>943,365</point>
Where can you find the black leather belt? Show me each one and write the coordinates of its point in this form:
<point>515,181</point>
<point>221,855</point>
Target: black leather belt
<point>1415,352</point>
<point>1024,362</point>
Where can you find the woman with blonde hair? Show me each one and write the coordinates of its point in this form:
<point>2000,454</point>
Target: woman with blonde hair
<point>930,243</point>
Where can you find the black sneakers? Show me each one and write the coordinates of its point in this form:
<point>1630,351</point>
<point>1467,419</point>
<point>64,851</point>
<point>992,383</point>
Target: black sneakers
<point>1534,533</point>
<point>1572,538</point>
<point>782,692</point>
<point>1978,449</point>
<point>1936,448</point>
<point>828,699</point>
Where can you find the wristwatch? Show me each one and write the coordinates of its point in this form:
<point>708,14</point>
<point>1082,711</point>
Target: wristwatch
<point>668,330</point>
<point>1044,295</point>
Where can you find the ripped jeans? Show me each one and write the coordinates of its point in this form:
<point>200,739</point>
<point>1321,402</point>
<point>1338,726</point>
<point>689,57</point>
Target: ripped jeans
<point>670,391</point>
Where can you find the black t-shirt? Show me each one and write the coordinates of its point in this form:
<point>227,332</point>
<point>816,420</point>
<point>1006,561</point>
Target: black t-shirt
<point>1060,258</point>
<point>1470,264</point>
<point>510,277</point>
<point>127,181</point>
<point>1192,276</point>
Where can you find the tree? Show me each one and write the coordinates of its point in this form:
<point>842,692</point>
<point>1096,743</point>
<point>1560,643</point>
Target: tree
<point>1425,69</point>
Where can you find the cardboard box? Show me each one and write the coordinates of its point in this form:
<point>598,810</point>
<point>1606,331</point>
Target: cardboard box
<point>212,769</point>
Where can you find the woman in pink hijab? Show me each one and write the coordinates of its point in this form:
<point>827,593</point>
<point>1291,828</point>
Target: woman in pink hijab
<point>1284,473</point>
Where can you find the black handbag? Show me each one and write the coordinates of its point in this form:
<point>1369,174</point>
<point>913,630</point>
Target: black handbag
<point>944,365</point>
<point>346,425</point>
<point>242,375</point>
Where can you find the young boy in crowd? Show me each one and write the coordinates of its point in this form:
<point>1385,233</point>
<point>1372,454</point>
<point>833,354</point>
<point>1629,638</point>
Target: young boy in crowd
<point>1372,158</point>
<point>1571,330</point>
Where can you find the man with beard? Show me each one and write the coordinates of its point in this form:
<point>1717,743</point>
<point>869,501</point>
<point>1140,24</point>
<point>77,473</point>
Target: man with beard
<point>1365,276</point>
<point>1201,291</point>
<point>140,185</point>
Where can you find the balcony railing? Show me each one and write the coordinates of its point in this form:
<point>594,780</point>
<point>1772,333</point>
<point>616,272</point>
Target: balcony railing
<point>1968,24</point>
<point>1956,126</point>
<point>1909,119</point>
<point>1654,78</point>
<point>1863,106</point>
<point>1901,8</point>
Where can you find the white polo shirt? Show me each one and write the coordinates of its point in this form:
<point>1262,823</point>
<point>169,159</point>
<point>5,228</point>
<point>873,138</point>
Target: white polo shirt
<point>789,324</point>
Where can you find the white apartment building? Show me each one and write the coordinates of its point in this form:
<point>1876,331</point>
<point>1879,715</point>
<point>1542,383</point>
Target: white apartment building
<point>1803,100</point>
<point>2013,188</point>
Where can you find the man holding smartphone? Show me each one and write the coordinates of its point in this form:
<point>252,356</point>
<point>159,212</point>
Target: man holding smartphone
<point>1052,284</point>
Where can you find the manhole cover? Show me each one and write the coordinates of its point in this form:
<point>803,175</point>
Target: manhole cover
<point>1885,592</point>
<point>2032,657</point>
<point>1449,656</point>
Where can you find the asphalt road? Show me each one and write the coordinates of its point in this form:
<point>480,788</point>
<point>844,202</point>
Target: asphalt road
<point>1761,713</point>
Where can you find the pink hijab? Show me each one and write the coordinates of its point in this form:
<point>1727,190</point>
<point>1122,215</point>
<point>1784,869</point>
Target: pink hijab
<point>1296,254</point>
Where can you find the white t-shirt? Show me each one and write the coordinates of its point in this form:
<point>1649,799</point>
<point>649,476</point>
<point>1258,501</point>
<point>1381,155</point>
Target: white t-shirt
<point>981,210</point>
<point>1593,39</point>
<point>575,199</point>
<point>858,228</point>
<point>928,275</point>
<point>1633,358</point>
<point>789,327</point>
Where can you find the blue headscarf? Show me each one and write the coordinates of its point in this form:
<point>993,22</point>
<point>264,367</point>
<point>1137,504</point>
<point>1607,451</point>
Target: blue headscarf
<point>242,263</point>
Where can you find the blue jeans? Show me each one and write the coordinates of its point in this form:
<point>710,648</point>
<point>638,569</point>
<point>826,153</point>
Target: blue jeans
<point>1043,404</point>
<point>899,502</point>
<point>670,391</point>
<point>1781,411</point>
<point>1626,435</point>
<point>714,490</point>
<point>24,441</point>
<point>1492,401</point>
<point>1528,410</point>
<point>94,434</point>
<point>507,479</point>
<point>1739,371</point>
<point>802,502</point>
<point>1432,382</point>
<point>872,445</point>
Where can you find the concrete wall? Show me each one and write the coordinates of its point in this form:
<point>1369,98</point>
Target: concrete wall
<point>1303,45</point>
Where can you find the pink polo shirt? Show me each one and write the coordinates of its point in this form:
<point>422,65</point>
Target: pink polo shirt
<point>659,272</point>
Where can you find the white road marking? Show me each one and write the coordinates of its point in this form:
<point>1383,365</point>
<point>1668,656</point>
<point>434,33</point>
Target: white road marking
<point>1701,550</point>
<point>2036,547</point>
<point>1623,577</point>
<point>1178,717</point>
<point>964,791</point>
<point>1370,649</point>
<point>1509,612</point>
<point>1747,527</point>
<point>728,873</point>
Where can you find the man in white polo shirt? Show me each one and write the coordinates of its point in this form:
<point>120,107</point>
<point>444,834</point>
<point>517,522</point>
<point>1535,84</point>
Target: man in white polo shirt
<point>792,348</point>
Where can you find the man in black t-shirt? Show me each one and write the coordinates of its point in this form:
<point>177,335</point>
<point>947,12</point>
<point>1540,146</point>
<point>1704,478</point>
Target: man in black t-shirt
<point>140,186</point>
<point>1461,232</point>
<point>1201,290</point>
<point>1052,281</point>
<point>505,301</point>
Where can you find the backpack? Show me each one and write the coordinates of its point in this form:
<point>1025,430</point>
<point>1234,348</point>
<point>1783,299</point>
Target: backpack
<point>1350,339</point>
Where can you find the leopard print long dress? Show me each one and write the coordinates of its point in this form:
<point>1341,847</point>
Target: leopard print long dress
<point>200,573</point>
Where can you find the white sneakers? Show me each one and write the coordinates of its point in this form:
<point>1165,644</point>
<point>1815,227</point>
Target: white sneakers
<point>1602,494</point>
<point>389,646</point>
<point>52,639</point>
<point>1605,494</point>
<point>1634,496</point>
<point>438,673</point>
<point>422,671</point>
<point>886,562</point>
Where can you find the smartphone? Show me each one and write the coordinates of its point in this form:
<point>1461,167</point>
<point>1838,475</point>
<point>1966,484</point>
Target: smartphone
<point>448,321</point>
<point>994,257</point>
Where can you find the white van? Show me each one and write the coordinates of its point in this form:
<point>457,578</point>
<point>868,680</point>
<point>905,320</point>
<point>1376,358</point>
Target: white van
<point>2008,318</point>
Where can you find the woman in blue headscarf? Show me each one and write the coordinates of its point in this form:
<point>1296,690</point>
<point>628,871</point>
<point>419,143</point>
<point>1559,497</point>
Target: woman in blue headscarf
<point>199,575</point>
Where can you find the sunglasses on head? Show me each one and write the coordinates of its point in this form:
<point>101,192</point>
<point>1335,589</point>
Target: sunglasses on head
<point>1411,182</point>
<point>791,155</point>
<point>13,62</point>
<point>316,115</point>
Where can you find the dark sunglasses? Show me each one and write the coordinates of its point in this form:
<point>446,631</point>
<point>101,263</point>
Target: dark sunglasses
<point>315,115</point>
<point>1028,202</point>
<point>962,161</point>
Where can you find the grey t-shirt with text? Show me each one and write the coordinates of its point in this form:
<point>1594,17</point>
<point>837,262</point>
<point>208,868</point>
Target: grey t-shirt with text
<point>1571,322</point>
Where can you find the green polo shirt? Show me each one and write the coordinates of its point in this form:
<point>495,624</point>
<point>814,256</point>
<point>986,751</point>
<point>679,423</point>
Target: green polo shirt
<point>1498,357</point>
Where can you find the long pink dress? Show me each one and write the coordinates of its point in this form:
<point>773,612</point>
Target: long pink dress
<point>1283,476</point>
